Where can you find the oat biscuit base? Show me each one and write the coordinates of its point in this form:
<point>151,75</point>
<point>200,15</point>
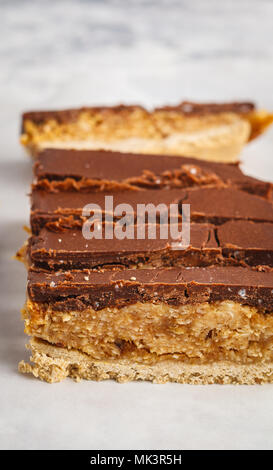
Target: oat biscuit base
<point>54,364</point>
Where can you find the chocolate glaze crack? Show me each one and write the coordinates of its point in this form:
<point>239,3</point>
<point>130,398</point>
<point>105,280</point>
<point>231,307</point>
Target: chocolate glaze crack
<point>233,243</point>
<point>208,205</point>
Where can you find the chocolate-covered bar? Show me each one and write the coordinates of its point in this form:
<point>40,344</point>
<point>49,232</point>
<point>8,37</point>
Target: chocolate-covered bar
<point>70,250</point>
<point>207,204</point>
<point>215,132</point>
<point>114,171</point>
<point>234,242</point>
<point>195,325</point>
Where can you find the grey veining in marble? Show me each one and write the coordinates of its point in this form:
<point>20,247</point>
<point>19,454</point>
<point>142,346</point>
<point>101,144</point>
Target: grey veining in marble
<point>69,53</point>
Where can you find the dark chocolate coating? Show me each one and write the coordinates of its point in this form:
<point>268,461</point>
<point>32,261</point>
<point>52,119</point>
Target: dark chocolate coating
<point>107,171</point>
<point>76,290</point>
<point>186,107</point>
<point>234,242</point>
<point>207,205</point>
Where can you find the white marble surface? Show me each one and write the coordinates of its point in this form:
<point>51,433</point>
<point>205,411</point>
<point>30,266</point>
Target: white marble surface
<point>68,53</point>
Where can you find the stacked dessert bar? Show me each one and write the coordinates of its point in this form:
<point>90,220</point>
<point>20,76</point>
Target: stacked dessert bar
<point>135,308</point>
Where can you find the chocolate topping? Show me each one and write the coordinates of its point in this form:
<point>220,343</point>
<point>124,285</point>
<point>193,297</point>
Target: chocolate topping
<point>211,205</point>
<point>186,107</point>
<point>235,242</point>
<point>247,242</point>
<point>64,209</point>
<point>117,166</point>
<point>190,108</point>
<point>70,250</point>
<point>58,169</point>
<point>217,205</point>
<point>79,289</point>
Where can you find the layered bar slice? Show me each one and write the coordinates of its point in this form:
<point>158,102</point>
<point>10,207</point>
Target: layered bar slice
<point>92,316</point>
<point>215,132</point>
<point>196,325</point>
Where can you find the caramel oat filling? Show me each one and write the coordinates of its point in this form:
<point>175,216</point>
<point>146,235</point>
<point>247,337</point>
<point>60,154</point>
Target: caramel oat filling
<point>146,332</point>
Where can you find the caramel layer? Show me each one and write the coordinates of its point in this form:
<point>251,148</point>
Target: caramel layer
<point>148,332</point>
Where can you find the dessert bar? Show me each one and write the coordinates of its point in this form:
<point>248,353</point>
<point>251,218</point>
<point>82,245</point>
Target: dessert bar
<point>115,288</point>
<point>215,132</point>
<point>196,325</point>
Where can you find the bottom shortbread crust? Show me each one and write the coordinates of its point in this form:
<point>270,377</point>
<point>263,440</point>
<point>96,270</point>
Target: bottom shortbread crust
<point>53,364</point>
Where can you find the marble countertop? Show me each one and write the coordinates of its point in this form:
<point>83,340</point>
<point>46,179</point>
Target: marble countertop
<point>71,53</point>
